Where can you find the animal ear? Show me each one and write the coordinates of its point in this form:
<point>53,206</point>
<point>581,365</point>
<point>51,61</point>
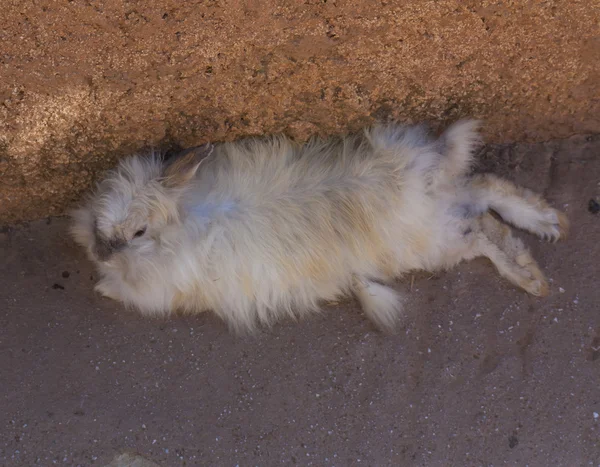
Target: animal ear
<point>181,168</point>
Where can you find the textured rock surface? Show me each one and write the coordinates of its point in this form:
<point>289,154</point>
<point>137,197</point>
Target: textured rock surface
<point>131,460</point>
<point>84,82</point>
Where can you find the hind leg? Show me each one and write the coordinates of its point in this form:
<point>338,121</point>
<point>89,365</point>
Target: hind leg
<point>510,256</point>
<point>520,207</point>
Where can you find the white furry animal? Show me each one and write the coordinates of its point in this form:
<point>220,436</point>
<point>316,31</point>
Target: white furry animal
<point>263,228</point>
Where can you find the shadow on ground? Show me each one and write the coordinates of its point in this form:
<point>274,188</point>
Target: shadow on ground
<point>481,374</point>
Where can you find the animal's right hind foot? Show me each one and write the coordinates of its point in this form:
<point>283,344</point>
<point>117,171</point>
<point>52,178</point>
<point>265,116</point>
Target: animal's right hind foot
<point>532,278</point>
<point>536,287</point>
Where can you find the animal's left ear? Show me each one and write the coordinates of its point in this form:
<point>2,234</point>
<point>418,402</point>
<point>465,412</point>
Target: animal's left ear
<point>183,167</point>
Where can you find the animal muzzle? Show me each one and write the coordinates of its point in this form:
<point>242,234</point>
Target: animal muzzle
<point>105,249</point>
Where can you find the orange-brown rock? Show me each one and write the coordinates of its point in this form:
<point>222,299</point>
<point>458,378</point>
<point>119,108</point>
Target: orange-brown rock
<point>85,82</point>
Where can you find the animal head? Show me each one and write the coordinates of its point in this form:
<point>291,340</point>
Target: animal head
<point>135,203</point>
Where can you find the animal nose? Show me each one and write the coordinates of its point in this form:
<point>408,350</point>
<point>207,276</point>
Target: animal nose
<point>106,248</point>
<point>103,251</point>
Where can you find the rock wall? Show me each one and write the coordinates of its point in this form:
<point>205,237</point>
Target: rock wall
<point>85,82</point>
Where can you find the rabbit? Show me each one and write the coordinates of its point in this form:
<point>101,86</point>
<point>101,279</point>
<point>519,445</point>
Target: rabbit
<point>264,228</point>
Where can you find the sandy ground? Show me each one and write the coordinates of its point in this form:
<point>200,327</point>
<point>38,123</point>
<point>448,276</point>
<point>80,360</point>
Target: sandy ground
<point>481,374</point>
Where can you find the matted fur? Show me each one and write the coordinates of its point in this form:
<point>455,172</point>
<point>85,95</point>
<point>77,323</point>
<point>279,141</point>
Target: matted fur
<point>260,229</point>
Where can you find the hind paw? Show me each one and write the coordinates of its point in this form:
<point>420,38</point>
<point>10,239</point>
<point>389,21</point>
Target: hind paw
<point>537,287</point>
<point>532,278</point>
<point>552,226</point>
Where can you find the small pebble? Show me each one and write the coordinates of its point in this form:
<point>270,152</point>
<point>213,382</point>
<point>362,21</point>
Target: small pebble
<point>593,206</point>
<point>596,415</point>
<point>561,290</point>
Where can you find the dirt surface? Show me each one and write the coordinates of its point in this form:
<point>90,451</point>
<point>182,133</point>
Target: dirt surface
<point>482,374</point>
<point>84,82</point>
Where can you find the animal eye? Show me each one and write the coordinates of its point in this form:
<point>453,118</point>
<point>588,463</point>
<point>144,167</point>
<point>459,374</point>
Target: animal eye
<point>140,232</point>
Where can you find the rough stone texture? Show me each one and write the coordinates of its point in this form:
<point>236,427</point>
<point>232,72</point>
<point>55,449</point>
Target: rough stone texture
<point>481,375</point>
<point>131,460</point>
<point>84,82</point>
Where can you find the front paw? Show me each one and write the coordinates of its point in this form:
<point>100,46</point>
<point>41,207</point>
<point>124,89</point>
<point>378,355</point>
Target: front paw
<point>104,288</point>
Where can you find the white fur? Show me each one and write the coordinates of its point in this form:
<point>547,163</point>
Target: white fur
<point>262,228</point>
<point>380,303</point>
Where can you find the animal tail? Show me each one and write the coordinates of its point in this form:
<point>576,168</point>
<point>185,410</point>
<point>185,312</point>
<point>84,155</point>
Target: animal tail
<point>456,146</point>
